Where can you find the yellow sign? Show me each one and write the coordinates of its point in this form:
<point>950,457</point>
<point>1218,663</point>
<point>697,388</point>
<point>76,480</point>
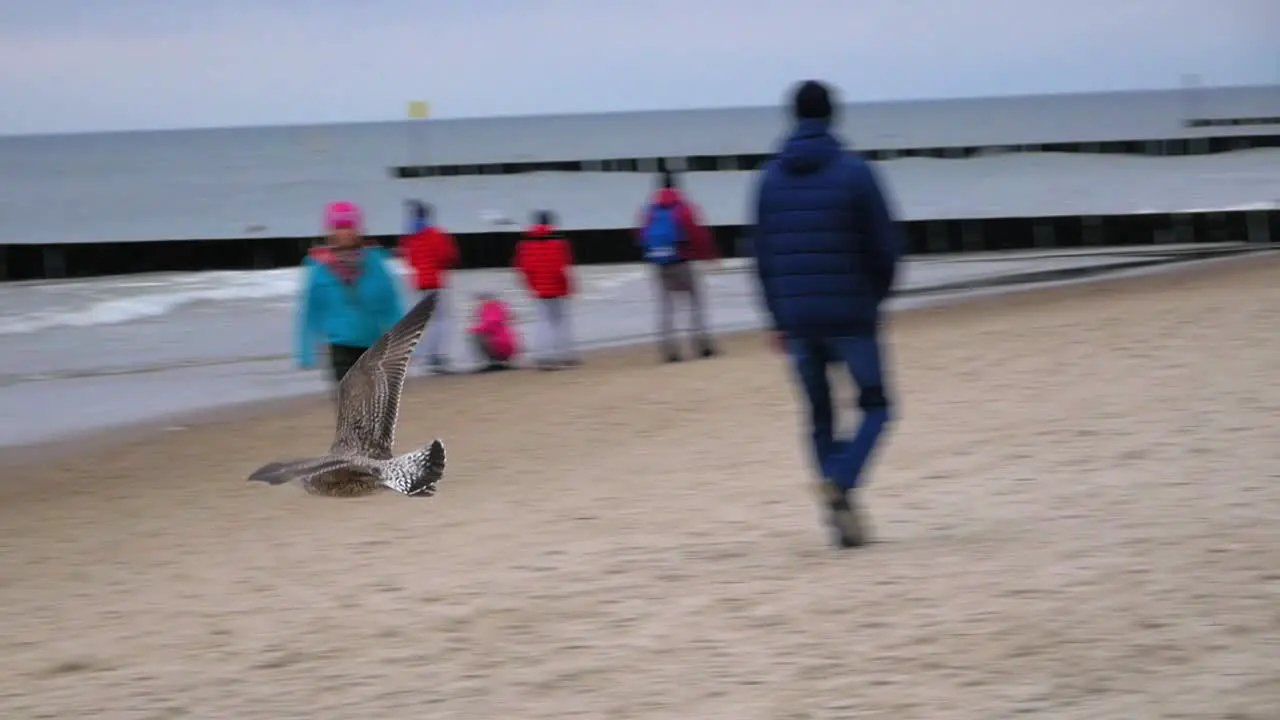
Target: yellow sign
<point>419,110</point>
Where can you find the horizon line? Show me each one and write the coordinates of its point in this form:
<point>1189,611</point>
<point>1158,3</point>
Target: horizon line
<point>604,113</point>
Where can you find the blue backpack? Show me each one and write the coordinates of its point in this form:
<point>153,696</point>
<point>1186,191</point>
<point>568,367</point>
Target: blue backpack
<point>662,236</point>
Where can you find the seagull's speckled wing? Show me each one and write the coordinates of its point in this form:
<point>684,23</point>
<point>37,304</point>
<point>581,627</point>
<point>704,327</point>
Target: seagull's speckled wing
<point>279,473</point>
<point>369,395</point>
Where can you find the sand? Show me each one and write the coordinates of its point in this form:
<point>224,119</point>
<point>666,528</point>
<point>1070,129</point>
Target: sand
<point>1078,514</point>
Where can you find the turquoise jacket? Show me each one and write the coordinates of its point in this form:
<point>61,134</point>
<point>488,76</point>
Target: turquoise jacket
<point>332,312</point>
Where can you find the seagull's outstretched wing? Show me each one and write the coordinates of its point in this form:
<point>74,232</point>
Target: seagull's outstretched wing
<point>369,395</point>
<point>279,473</point>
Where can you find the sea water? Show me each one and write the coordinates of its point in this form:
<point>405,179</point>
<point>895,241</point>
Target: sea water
<point>80,355</point>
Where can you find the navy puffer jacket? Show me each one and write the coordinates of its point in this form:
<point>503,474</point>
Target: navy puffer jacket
<point>826,244</point>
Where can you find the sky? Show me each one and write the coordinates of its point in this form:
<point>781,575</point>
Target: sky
<point>86,65</point>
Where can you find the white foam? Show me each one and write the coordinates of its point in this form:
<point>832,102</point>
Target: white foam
<point>115,300</point>
<point>109,302</point>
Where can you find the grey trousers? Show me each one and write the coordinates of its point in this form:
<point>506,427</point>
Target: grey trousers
<point>680,279</point>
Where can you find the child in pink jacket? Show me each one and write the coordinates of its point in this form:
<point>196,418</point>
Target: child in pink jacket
<point>494,333</point>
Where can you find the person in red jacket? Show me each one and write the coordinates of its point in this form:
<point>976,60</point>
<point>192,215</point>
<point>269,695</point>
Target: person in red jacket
<point>673,239</point>
<point>431,253</point>
<point>545,262</point>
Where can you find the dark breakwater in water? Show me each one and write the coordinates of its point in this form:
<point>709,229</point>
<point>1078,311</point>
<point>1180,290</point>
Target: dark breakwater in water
<point>494,249</point>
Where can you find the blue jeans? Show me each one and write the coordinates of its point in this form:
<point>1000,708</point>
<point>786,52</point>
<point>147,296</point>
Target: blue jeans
<point>842,461</point>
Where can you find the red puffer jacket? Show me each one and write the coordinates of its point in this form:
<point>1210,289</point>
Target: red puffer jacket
<point>545,260</point>
<point>431,253</point>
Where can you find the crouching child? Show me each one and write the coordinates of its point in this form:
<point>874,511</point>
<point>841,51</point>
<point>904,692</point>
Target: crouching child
<point>493,333</point>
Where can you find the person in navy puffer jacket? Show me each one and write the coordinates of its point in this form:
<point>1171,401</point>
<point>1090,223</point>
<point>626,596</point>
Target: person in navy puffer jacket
<point>827,249</point>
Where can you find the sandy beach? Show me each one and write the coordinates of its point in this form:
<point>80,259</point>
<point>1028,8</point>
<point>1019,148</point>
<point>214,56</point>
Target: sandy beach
<point>1078,518</point>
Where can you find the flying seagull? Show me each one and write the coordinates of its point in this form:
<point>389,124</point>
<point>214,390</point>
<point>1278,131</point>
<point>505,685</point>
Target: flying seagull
<point>360,461</point>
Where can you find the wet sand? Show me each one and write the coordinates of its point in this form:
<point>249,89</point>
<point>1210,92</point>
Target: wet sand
<point>1078,514</point>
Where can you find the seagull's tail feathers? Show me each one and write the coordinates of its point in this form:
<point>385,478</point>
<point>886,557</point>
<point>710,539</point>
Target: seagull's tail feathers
<point>416,473</point>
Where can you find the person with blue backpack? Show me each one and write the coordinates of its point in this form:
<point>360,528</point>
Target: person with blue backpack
<point>827,250</point>
<point>671,239</point>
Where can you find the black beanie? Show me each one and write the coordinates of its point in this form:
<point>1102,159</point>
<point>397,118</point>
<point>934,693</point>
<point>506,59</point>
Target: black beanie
<point>812,101</point>
<point>544,217</point>
<point>419,210</point>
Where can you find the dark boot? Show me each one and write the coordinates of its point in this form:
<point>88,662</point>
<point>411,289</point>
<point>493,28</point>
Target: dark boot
<point>844,515</point>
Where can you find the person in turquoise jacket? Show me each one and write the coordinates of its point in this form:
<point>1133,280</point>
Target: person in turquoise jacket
<point>349,295</point>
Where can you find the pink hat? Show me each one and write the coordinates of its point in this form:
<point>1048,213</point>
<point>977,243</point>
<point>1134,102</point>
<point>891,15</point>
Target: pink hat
<point>342,214</point>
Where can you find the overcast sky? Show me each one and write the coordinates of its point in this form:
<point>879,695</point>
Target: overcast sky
<point>70,65</point>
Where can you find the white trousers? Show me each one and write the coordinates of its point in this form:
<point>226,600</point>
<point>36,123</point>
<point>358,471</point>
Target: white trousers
<point>435,339</point>
<point>554,332</point>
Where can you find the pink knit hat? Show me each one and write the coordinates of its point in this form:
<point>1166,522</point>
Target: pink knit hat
<point>342,214</point>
